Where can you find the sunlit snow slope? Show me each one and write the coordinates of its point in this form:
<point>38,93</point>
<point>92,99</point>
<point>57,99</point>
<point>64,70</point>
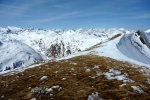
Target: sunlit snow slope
<point>131,46</point>
<point>58,43</point>
<point>24,46</point>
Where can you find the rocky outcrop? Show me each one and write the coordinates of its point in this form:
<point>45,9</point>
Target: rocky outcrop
<point>1,43</point>
<point>61,49</point>
<point>141,37</point>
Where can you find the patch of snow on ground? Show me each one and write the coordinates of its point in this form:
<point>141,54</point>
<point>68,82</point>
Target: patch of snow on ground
<point>94,96</point>
<point>148,80</point>
<point>87,70</point>
<point>115,74</point>
<point>49,89</point>
<point>43,78</point>
<point>96,67</point>
<point>53,87</point>
<point>137,89</point>
<point>122,84</point>
<point>56,86</point>
<point>33,99</point>
<point>63,79</point>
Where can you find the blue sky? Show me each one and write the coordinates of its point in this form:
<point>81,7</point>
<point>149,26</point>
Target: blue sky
<point>74,14</point>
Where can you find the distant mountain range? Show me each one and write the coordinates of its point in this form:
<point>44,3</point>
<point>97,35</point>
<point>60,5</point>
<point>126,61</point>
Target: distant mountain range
<point>24,46</point>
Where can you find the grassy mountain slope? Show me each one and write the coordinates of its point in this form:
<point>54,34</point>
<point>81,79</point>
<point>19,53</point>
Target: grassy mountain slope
<point>77,78</point>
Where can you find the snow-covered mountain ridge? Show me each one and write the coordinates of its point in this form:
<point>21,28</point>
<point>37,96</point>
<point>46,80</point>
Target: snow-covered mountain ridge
<point>132,47</point>
<point>60,43</point>
<point>15,54</point>
<point>135,46</point>
<point>49,42</point>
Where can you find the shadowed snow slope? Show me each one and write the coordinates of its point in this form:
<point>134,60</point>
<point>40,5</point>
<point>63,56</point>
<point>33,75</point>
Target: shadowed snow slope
<point>15,54</point>
<point>132,46</point>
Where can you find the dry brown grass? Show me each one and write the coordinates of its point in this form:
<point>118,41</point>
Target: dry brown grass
<point>117,35</point>
<point>78,84</point>
<point>94,46</point>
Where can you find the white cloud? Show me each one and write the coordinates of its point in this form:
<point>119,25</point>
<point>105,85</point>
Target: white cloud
<point>19,8</point>
<point>62,16</point>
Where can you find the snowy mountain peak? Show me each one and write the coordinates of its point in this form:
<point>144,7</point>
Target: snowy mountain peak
<point>147,31</point>
<point>135,45</point>
<point>13,28</point>
<point>15,54</point>
<point>61,43</point>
